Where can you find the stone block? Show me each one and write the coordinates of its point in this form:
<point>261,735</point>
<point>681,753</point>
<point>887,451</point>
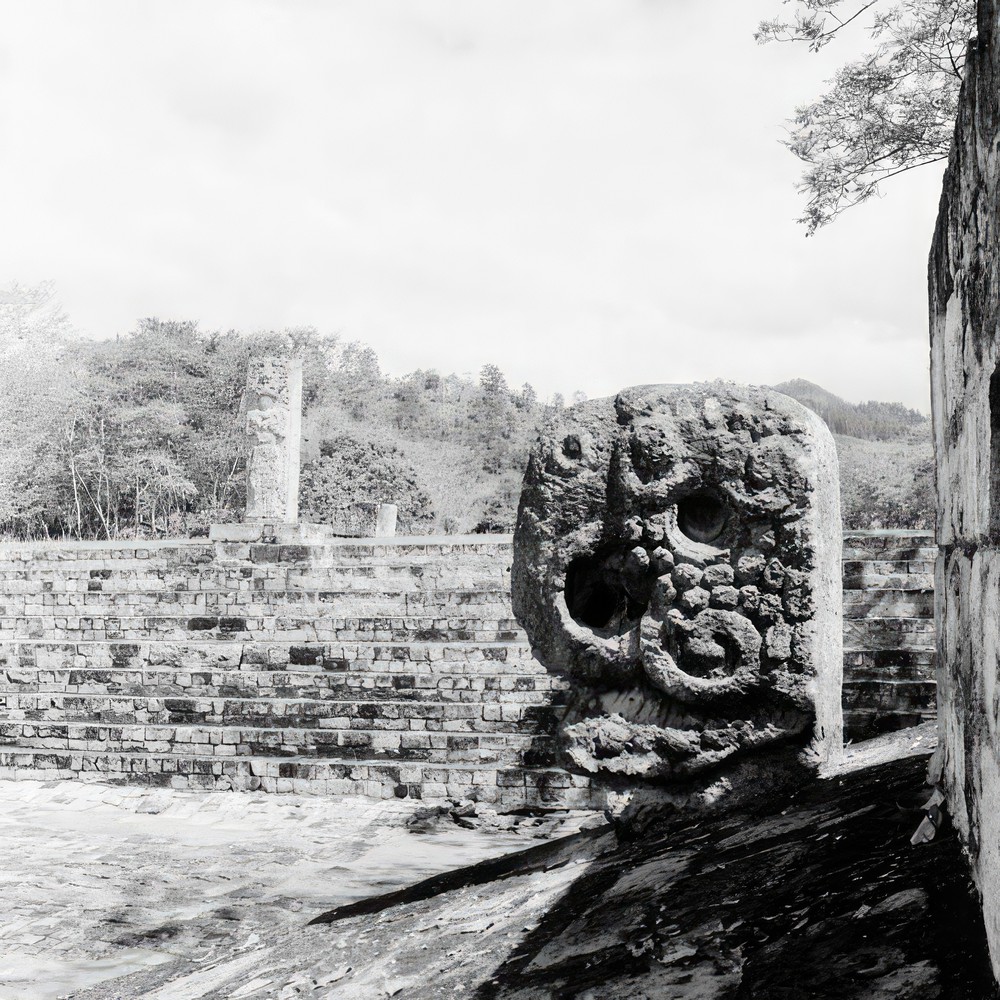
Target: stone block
<point>362,520</point>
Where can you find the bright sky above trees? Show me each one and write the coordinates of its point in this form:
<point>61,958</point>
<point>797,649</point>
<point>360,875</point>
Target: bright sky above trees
<point>590,194</point>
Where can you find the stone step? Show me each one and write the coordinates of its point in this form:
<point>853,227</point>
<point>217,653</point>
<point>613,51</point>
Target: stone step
<point>889,634</point>
<point>888,545</point>
<point>433,551</point>
<point>492,750</point>
<point>912,574</point>
<point>536,712</point>
<point>425,649</point>
<point>20,658</point>
<point>229,628</point>
<point>506,787</point>
<point>321,590</point>
<point>902,663</point>
<point>889,693</point>
<point>257,605</point>
<point>398,716</point>
<point>226,742</point>
<point>888,604</point>
<point>484,686</point>
<point>70,580</point>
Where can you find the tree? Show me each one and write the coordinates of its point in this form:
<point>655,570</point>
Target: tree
<point>350,470</point>
<point>38,387</point>
<point>493,382</point>
<point>886,113</point>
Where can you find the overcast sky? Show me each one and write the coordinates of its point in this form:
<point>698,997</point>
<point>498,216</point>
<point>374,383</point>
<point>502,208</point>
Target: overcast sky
<point>590,193</point>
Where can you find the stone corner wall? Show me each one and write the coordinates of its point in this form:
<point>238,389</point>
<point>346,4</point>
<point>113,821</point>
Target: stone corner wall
<point>964,279</point>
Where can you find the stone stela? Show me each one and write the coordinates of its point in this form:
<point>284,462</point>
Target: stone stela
<point>272,403</point>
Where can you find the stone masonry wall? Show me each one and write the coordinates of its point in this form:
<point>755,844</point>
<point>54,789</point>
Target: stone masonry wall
<point>378,669</point>
<point>964,300</point>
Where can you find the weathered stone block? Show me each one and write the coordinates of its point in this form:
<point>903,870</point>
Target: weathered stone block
<point>633,512</point>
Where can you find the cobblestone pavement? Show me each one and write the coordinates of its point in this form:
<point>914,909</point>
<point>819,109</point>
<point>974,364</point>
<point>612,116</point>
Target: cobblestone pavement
<point>99,880</point>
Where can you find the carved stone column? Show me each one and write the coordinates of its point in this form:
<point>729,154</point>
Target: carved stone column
<point>273,403</point>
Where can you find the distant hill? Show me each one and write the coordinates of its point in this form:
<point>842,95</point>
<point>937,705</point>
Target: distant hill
<point>872,421</point>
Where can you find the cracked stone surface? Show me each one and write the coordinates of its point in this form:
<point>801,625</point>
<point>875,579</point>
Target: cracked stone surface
<point>819,895</point>
<point>98,881</point>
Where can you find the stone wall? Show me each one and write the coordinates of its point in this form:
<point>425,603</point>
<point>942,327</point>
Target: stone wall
<point>381,669</point>
<point>964,279</point>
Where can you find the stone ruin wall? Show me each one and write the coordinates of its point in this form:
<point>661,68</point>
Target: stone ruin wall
<point>964,286</point>
<point>352,667</point>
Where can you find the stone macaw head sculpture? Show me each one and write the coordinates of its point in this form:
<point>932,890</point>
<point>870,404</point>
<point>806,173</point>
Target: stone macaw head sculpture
<point>677,555</point>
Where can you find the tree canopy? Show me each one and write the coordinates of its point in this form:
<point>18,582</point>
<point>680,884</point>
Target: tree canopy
<point>885,113</point>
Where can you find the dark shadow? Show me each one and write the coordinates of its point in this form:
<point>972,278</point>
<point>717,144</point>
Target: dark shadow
<point>544,857</point>
<point>823,899</point>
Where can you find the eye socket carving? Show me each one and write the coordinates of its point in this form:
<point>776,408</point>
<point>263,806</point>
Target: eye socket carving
<point>702,517</point>
<point>604,594</point>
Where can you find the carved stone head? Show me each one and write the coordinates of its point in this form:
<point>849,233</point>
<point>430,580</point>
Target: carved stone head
<point>677,555</point>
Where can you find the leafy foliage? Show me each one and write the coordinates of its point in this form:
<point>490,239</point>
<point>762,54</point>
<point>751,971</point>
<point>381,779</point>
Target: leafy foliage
<point>886,484</point>
<point>886,458</point>
<point>885,113</point>
<point>348,470</point>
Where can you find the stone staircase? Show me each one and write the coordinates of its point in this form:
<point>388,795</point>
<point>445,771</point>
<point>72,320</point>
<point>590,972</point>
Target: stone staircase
<point>380,668</point>
<point>367,667</point>
<point>889,635</point>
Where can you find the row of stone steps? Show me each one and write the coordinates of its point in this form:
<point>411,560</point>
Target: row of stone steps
<point>169,683</point>
<point>322,592</point>
<point>292,713</point>
<point>492,746</point>
<point>370,629</point>
<point>233,575</point>
<point>433,559</point>
<point>59,628</point>
<point>507,788</point>
<point>889,635</point>
<point>85,668</point>
<point>392,602</point>
<point>387,669</point>
<point>273,652</point>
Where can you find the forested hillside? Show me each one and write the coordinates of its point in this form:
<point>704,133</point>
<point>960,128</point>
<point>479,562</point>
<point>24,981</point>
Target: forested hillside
<point>886,458</point>
<point>141,434</point>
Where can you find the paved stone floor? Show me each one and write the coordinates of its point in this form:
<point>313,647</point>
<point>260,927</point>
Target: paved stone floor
<point>98,880</point>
